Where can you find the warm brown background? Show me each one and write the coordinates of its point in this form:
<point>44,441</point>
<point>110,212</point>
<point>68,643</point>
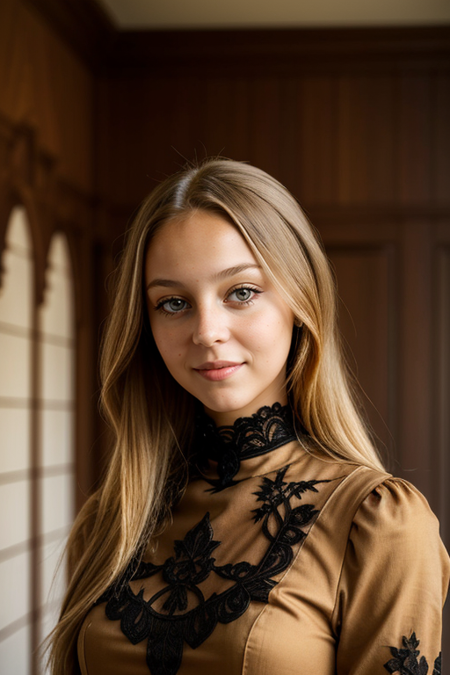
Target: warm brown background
<point>356,123</point>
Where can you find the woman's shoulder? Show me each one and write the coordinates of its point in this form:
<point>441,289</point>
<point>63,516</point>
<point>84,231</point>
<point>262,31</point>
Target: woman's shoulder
<point>394,528</point>
<point>396,515</point>
<point>363,495</point>
<point>395,500</point>
<point>380,495</point>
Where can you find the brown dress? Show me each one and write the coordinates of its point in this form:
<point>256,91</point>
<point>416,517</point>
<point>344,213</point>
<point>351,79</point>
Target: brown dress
<point>293,565</point>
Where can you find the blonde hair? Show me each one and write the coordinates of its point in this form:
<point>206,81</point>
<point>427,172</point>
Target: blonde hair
<point>151,415</point>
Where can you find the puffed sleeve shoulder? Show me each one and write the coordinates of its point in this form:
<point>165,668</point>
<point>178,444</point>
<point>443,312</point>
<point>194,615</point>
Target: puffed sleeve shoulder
<point>393,585</point>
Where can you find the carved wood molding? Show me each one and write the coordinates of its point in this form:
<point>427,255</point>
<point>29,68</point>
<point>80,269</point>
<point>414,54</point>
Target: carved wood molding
<point>29,178</point>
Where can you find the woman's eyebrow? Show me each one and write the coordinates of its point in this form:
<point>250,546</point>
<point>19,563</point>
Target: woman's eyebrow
<point>236,269</point>
<point>229,272</point>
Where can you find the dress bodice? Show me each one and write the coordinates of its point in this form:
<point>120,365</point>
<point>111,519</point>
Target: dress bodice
<point>285,564</point>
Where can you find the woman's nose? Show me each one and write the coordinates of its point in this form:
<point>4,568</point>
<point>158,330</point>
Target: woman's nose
<point>210,327</point>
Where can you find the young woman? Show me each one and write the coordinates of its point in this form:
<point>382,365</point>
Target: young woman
<point>246,523</point>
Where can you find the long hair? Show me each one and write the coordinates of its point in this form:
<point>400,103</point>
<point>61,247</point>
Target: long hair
<point>151,415</point>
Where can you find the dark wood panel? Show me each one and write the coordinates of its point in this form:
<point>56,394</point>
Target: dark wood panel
<point>414,125</point>
<point>440,178</point>
<point>47,91</point>
<point>340,139</point>
<point>353,152</point>
<point>317,152</point>
<point>265,128</point>
<point>366,132</point>
<point>415,418</point>
<point>367,317</point>
<point>280,52</point>
<point>239,119</point>
<point>83,24</point>
<point>442,385</point>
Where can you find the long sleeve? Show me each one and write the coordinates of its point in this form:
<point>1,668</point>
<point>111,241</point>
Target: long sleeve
<point>394,580</point>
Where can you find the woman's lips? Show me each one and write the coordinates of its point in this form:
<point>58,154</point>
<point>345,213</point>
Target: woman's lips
<point>217,370</point>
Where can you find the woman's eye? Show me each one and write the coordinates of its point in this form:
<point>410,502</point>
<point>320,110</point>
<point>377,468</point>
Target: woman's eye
<point>243,295</point>
<point>172,306</point>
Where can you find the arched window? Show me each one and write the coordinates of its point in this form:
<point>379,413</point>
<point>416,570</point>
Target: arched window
<point>37,356</point>
<point>16,417</point>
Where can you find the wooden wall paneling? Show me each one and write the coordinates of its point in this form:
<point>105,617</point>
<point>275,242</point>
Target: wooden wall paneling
<point>218,105</point>
<point>45,88</point>
<point>440,178</point>
<point>154,124</point>
<point>441,371</point>
<point>381,120</point>
<point>290,121</point>
<point>281,50</point>
<point>366,133</point>
<point>265,129</point>
<point>226,128</point>
<point>414,126</point>
<point>215,118</point>
<point>415,326</point>
<point>318,145</point>
<point>189,108</point>
<point>82,24</point>
<point>353,159</point>
<point>23,75</point>
<point>367,318</point>
<point>73,93</point>
<point>441,399</point>
<point>126,114</point>
<point>239,121</point>
<point>442,375</point>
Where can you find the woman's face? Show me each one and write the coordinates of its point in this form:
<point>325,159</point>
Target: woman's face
<point>222,329</point>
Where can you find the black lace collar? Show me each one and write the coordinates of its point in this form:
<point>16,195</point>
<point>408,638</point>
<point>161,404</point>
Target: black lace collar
<point>266,430</point>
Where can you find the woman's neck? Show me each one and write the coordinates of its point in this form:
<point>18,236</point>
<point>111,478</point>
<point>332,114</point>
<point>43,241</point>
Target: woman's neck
<point>228,418</point>
<point>246,439</point>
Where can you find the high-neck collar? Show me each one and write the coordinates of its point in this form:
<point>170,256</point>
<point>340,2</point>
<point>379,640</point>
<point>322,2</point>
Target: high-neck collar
<point>248,437</point>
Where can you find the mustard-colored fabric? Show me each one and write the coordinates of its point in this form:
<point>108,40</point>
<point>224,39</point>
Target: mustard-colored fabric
<point>369,571</point>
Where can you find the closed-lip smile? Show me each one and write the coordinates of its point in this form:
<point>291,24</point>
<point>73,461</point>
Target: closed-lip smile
<point>218,370</point>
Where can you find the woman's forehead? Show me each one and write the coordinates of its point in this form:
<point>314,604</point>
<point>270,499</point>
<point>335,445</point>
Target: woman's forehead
<point>202,241</point>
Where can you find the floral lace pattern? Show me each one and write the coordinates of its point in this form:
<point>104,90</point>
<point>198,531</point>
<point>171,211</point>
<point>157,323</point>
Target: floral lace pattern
<point>266,430</point>
<point>179,612</point>
<point>405,661</point>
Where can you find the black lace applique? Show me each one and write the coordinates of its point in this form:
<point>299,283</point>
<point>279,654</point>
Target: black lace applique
<point>437,666</point>
<point>405,660</point>
<point>266,430</point>
<point>183,613</point>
